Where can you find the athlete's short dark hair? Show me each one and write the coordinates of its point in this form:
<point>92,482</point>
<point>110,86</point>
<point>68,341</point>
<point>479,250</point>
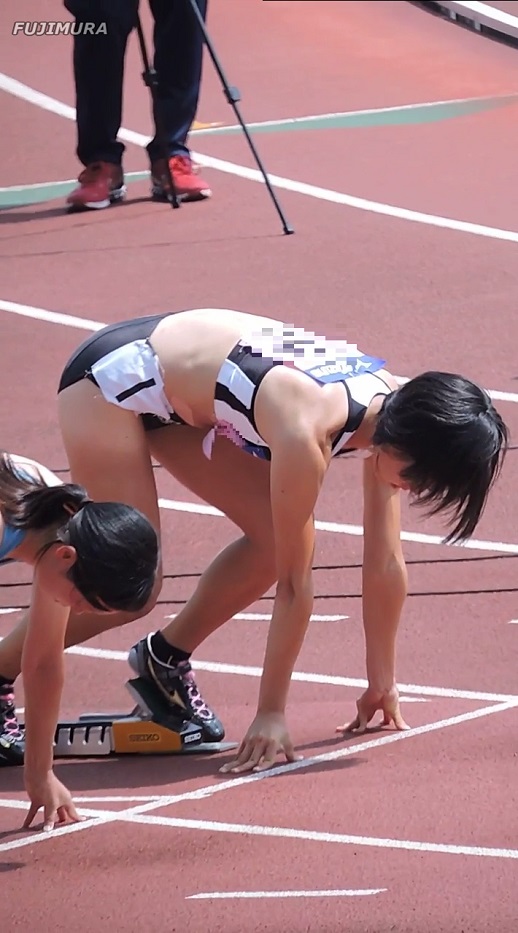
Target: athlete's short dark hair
<point>455,441</point>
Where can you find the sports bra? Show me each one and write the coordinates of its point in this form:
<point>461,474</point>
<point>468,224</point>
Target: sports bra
<point>11,538</point>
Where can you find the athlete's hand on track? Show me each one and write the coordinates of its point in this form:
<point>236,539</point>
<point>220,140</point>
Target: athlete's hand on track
<point>372,700</point>
<point>258,751</point>
<point>58,806</point>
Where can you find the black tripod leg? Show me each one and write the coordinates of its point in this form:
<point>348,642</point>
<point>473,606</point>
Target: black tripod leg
<point>151,81</point>
<point>232,95</point>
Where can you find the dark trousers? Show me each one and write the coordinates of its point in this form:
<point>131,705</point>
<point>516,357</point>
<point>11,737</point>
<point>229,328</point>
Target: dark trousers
<point>99,72</point>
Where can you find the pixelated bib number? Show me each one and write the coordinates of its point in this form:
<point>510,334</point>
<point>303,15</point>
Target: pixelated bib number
<point>338,370</point>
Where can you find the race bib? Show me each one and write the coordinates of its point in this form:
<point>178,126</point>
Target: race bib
<point>338,370</point>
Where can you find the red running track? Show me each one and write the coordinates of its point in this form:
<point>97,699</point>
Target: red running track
<point>416,833</point>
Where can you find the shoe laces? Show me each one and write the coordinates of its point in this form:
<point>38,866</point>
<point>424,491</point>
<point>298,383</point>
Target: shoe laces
<point>186,675</point>
<point>9,725</point>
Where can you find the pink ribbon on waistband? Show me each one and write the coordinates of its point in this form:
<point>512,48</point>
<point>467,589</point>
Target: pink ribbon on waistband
<point>221,429</point>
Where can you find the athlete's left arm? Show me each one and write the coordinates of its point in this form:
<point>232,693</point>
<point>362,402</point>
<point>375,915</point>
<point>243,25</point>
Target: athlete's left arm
<point>384,576</point>
<point>384,590</point>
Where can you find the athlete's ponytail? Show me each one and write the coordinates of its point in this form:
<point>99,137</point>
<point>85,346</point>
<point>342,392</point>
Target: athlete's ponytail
<point>28,503</point>
<point>117,564</point>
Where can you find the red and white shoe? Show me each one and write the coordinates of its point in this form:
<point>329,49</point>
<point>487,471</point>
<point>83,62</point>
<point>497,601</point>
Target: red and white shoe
<point>100,184</point>
<point>187,181</point>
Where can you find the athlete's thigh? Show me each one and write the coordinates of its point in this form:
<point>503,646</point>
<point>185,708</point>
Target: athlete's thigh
<point>107,450</point>
<point>232,481</point>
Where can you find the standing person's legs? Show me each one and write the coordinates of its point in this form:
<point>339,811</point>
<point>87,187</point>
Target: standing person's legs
<point>178,58</point>
<point>98,62</point>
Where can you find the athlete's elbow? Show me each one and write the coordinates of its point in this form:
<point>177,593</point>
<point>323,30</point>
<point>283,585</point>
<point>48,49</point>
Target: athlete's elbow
<point>392,571</point>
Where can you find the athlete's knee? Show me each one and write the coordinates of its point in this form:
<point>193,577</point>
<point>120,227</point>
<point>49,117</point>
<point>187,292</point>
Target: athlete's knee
<point>264,555</point>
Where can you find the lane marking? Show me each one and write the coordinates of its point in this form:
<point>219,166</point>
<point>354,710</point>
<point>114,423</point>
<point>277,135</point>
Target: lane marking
<point>237,895</point>
<point>355,530</point>
<point>427,112</point>
<point>403,114</point>
<point>140,813</point>
<point>17,803</point>
<point>45,102</point>
<point>216,667</point>
<point>14,196</point>
<point>241,616</point>
<point>246,829</point>
<point>67,320</point>
<point>354,748</point>
<point>265,617</point>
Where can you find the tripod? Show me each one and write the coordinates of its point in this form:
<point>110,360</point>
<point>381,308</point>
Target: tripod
<point>232,95</point>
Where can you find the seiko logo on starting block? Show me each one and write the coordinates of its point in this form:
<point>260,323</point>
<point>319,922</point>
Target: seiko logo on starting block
<point>144,737</point>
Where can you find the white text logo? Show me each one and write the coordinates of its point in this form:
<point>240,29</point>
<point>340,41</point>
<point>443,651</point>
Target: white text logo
<point>60,29</point>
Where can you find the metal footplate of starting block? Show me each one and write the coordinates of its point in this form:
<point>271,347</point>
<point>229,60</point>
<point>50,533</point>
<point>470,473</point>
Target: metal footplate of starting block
<point>141,732</point>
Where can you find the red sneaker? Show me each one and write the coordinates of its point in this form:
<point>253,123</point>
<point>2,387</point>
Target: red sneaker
<point>100,184</point>
<point>188,184</point>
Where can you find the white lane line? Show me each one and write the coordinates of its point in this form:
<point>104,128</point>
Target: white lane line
<point>265,617</point>
<point>45,102</point>
<point>37,837</point>
<point>216,667</point>
<point>200,509</point>
<point>246,829</point>
<point>196,508</point>
<point>353,748</point>
<point>140,813</point>
<point>259,895</point>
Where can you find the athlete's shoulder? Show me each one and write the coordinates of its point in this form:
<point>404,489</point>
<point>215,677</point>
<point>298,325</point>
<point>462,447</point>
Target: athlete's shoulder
<point>389,379</point>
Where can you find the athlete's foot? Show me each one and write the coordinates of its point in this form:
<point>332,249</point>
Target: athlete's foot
<point>12,745</point>
<point>178,686</point>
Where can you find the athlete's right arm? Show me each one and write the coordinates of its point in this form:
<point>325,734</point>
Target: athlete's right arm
<point>43,678</point>
<point>300,455</point>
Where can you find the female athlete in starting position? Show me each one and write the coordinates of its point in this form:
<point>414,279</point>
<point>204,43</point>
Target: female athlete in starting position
<point>247,413</point>
<point>87,557</point>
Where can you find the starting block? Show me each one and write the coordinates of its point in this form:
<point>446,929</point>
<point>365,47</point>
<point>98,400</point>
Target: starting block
<point>144,731</point>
